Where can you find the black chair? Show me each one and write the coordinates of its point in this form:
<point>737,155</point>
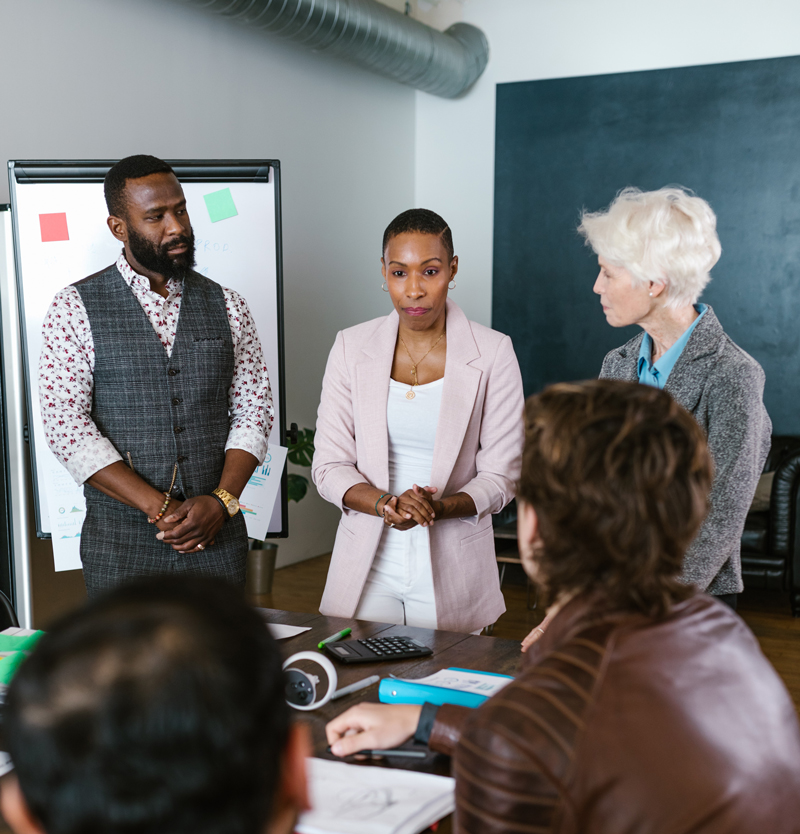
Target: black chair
<point>771,538</point>
<point>8,616</point>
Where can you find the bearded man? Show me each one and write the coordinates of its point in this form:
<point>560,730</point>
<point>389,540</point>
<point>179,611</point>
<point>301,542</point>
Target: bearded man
<point>155,395</point>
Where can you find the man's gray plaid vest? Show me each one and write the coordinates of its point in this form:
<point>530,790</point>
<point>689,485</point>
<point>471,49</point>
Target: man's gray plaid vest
<point>158,411</point>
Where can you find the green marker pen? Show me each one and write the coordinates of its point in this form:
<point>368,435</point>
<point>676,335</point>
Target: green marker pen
<point>338,636</point>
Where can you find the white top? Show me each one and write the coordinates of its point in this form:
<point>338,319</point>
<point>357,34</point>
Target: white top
<point>412,435</point>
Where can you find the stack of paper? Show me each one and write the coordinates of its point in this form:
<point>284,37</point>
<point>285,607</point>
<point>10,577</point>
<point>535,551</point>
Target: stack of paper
<point>350,799</point>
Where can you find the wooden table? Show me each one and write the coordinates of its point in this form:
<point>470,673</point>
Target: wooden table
<point>450,648</point>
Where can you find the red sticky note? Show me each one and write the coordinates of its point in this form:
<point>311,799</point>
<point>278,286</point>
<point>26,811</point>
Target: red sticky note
<point>54,227</point>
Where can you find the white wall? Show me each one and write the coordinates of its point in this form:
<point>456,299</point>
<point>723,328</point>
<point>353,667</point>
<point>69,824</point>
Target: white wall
<point>534,39</point>
<point>108,78</point>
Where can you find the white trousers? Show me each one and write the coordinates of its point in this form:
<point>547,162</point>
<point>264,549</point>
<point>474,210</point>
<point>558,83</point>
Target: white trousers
<point>399,588</point>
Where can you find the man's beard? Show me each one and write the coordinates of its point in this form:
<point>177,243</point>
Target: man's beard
<point>155,258</point>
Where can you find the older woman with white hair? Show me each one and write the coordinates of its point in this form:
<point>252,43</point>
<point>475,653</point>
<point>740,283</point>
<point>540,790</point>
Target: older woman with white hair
<point>656,250</point>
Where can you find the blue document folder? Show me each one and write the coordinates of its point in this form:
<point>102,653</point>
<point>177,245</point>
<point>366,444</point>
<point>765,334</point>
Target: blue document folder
<point>396,691</point>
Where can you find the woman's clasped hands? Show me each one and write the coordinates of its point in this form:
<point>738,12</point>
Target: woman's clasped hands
<point>411,508</point>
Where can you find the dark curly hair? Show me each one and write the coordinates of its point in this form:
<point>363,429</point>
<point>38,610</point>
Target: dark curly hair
<point>156,708</point>
<point>420,220</point>
<point>619,475</point>
<point>130,168</point>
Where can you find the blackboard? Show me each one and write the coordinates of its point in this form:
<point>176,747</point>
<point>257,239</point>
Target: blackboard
<point>730,131</point>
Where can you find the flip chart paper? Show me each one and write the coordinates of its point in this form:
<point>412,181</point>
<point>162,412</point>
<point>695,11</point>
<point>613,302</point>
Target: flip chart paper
<point>258,497</point>
<point>53,227</point>
<point>239,254</point>
<point>67,507</point>
<point>67,512</point>
<point>220,205</point>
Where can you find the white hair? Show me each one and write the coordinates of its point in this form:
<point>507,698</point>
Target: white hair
<point>668,236</point>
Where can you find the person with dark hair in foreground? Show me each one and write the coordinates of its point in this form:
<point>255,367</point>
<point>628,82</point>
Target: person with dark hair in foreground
<point>646,706</point>
<point>418,442</point>
<point>154,394</point>
<point>159,707</point>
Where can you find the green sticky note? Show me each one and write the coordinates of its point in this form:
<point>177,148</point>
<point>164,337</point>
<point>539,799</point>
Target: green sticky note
<point>220,205</point>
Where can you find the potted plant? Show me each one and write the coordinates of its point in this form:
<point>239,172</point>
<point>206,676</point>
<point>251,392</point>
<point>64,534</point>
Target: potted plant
<point>262,554</point>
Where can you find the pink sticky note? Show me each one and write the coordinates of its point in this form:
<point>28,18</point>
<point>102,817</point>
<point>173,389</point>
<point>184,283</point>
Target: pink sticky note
<point>54,227</point>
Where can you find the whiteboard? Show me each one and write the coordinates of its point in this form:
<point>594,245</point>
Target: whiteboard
<point>241,251</point>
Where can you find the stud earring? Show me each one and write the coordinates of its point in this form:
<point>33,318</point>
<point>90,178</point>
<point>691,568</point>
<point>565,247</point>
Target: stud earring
<point>452,285</point>
<point>650,294</point>
<point>386,289</point>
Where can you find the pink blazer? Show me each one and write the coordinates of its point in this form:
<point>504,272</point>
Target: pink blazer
<point>478,450</point>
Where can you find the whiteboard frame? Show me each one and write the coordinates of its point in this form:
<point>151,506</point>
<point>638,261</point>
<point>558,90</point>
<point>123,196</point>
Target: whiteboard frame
<point>17,460</point>
<point>186,170</point>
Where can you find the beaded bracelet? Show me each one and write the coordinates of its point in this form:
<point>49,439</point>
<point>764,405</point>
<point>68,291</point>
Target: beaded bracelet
<point>163,509</point>
<point>166,494</point>
<point>379,501</point>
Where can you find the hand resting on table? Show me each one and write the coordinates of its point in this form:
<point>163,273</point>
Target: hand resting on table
<point>372,727</point>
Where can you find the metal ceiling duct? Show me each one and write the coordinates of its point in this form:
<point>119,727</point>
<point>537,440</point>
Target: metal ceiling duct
<point>372,36</point>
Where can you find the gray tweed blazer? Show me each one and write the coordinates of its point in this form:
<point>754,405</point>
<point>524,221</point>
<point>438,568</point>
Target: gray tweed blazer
<point>723,387</point>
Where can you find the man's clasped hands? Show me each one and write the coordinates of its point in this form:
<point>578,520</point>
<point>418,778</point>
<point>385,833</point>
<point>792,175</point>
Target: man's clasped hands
<point>192,524</point>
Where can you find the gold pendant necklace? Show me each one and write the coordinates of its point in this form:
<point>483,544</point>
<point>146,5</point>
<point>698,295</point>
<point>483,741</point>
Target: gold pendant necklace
<point>410,393</point>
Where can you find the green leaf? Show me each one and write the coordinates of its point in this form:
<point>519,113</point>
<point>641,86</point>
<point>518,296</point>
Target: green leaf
<point>297,486</point>
<point>302,452</point>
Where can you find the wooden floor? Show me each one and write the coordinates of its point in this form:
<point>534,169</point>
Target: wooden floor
<point>299,588</point>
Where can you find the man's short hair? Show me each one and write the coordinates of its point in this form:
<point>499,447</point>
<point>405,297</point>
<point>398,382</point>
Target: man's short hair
<point>420,220</point>
<point>130,168</point>
<point>158,708</point>
<point>619,475</point>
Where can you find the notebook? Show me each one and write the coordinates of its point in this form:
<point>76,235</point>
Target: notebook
<point>464,687</point>
<point>351,799</point>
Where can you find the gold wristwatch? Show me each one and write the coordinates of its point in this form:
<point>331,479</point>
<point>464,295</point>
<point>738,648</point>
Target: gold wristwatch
<point>230,502</point>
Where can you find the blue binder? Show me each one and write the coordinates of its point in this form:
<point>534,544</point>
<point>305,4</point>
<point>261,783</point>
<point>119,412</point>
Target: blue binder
<point>395,691</point>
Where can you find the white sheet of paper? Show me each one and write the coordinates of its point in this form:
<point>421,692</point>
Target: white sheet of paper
<point>475,682</point>
<point>350,799</point>
<point>282,632</point>
<point>67,512</point>
<point>258,497</point>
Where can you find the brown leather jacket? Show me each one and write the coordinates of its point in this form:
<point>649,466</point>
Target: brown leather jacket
<point>623,725</point>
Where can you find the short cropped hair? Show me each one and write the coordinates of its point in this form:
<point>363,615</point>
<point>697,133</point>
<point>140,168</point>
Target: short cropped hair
<point>619,476</point>
<point>420,220</point>
<point>159,707</point>
<point>130,168</point>
<point>668,236</point>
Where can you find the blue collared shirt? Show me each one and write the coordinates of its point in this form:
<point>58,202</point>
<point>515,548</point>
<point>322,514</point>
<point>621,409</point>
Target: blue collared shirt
<point>657,373</point>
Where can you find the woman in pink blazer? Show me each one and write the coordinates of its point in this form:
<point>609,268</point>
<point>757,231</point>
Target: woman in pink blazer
<point>419,440</point>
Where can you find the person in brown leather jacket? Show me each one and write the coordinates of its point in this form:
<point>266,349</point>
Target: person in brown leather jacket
<point>646,706</point>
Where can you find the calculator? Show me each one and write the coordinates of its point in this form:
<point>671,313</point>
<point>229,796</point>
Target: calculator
<point>374,649</point>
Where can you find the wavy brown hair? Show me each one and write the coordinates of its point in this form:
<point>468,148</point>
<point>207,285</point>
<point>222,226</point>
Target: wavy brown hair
<point>619,476</point>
